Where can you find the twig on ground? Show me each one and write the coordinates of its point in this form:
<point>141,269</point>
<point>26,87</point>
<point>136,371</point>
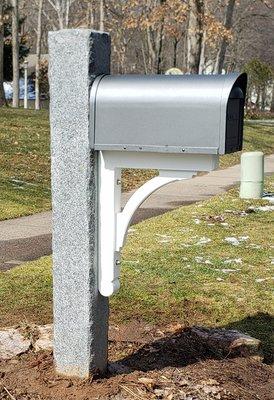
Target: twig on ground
<point>126,389</point>
<point>10,395</point>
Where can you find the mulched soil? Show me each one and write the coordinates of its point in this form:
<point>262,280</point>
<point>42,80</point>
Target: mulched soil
<point>145,363</point>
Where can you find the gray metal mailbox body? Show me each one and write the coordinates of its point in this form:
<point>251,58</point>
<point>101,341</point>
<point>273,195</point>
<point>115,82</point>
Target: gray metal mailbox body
<point>157,113</point>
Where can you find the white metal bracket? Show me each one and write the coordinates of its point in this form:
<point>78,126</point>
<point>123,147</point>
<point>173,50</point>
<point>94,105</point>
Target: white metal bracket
<point>113,223</point>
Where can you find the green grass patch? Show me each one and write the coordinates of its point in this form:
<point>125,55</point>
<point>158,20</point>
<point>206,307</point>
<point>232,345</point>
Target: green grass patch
<point>26,293</point>
<point>25,160</point>
<point>178,267</point>
<point>257,137</point>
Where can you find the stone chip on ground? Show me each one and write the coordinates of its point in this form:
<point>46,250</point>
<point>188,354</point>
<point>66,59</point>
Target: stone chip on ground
<point>12,343</point>
<point>45,338</point>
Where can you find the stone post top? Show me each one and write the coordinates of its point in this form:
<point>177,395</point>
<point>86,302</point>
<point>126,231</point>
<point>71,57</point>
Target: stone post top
<point>84,32</point>
<point>84,48</point>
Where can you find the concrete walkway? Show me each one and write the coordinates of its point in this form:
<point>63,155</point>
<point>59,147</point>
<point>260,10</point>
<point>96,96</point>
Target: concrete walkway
<point>28,238</point>
<point>259,121</point>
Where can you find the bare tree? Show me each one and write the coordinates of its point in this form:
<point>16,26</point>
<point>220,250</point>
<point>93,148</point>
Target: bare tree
<point>2,93</point>
<point>272,100</point>
<point>15,53</point>
<point>224,43</point>
<point>90,15</point>
<point>102,16</point>
<point>38,55</point>
<point>195,35</point>
<point>62,9</point>
<point>151,35</point>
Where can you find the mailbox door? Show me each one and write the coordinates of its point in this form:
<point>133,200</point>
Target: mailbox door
<point>234,121</point>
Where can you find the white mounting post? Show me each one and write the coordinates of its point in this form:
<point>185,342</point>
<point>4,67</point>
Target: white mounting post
<point>25,84</point>
<point>114,223</point>
<point>109,207</point>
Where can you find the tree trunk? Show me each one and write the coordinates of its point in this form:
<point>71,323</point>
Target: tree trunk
<point>2,93</point>
<point>264,97</point>
<point>175,48</point>
<point>159,50</point>
<point>58,7</point>
<point>272,101</point>
<point>102,16</point>
<point>144,58</point>
<point>38,55</point>
<point>258,98</point>
<point>67,14</point>
<point>15,54</point>
<point>195,35</point>
<point>227,24</point>
<point>151,49</point>
<point>90,15</point>
<point>202,56</point>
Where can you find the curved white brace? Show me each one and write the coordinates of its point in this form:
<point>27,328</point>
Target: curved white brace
<point>112,223</point>
<point>124,218</point>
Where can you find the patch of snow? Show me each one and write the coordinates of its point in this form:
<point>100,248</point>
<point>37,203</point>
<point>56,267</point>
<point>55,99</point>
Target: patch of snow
<point>132,261</point>
<point>164,236</point>
<point>201,260</point>
<point>262,208</point>
<point>232,240</point>
<point>269,198</point>
<point>233,261</point>
<point>236,241</point>
<point>243,238</point>
<point>254,246</point>
<point>203,240</point>
<point>228,270</point>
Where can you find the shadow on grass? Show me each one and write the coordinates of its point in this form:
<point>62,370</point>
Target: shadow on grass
<point>182,348</point>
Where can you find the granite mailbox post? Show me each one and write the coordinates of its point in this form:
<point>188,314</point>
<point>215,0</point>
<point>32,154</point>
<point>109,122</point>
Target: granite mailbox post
<point>99,124</point>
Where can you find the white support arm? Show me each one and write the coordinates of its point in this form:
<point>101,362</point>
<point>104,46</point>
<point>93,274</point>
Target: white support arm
<point>113,224</point>
<point>124,218</point>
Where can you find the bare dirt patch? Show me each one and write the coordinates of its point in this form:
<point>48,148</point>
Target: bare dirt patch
<point>145,363</point>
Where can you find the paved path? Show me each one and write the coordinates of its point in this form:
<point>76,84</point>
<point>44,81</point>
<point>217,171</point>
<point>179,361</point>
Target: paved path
<point>259,121</point>
<point>28,238</point>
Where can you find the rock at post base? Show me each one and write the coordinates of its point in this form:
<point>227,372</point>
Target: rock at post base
<point>228,342</point>
<point>45,338</point>
<point>12,343</point>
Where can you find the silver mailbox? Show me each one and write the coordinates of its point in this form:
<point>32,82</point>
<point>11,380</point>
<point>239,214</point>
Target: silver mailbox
<point>198,114</point>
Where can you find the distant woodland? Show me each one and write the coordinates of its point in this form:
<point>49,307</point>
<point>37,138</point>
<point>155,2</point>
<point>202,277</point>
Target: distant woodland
<point>152,36</point>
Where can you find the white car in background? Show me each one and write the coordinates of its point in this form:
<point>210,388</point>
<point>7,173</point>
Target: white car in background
<point>9,91</point>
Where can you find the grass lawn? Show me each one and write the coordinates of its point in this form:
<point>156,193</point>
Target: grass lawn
<point>25,160</point>
<point>178,267</point>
